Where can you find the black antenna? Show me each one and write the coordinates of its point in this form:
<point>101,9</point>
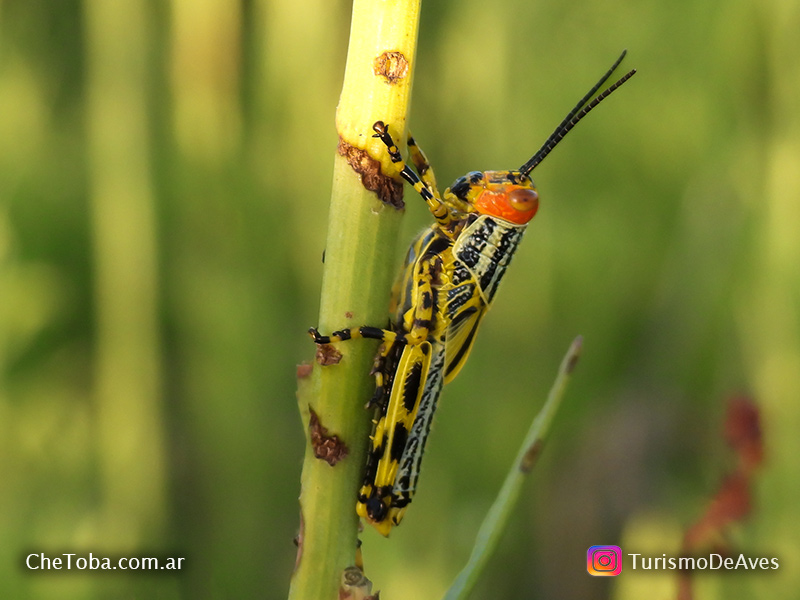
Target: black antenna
<point>576,114</point>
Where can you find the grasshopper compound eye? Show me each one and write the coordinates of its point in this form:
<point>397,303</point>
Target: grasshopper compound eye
<point>524,200</point>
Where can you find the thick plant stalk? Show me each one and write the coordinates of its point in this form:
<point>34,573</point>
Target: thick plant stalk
<point>359,266</point>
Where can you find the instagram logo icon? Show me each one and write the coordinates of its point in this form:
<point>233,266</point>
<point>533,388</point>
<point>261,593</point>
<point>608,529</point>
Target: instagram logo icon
<point>604,561</point>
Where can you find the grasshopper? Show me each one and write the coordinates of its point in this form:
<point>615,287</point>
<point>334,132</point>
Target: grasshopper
<point>447,284</point>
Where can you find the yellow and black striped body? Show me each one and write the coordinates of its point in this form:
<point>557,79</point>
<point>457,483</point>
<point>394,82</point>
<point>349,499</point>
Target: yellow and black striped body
<point>468,271</point>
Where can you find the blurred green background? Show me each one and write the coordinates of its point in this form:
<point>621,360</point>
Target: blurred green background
<point>165,171</point>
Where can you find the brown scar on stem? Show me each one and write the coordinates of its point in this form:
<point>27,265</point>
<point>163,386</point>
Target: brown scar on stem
<point>575,349</point>
<point>348,314</point>
<point>388,190</point>
<point>531,456</point>
<point>327,355</point>
<point>326,447</point>
<point>392,66</point>
<point>304,370</point>
<point>354,585</point>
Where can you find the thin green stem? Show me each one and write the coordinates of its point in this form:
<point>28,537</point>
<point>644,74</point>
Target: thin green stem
<point>495,521</point>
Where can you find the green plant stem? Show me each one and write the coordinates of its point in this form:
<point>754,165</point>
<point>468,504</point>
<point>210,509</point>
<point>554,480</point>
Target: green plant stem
<point>360,261</point>
<point>496,519</point>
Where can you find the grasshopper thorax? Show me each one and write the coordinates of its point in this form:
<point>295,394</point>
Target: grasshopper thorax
<point>508,195</point>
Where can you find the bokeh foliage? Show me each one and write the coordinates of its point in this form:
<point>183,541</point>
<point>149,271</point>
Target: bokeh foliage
<point>164,175</point>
